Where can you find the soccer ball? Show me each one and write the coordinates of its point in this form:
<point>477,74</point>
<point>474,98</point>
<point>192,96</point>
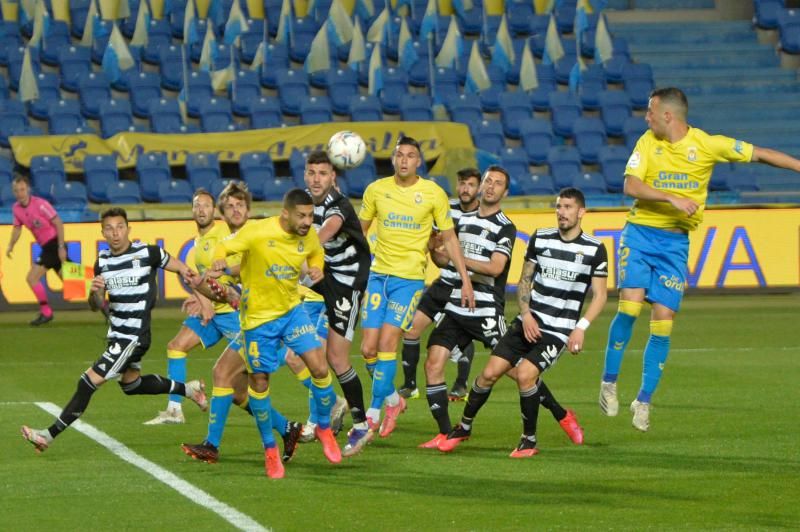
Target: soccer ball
<point>346,149</point>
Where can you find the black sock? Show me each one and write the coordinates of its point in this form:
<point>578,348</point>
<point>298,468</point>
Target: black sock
<point>76,406</point>
<point>529,405</point>
<point>354,394</point>
<point>476,399</point>
<point>410,362</point>
<point>153,385</point>
<point>437,402</point>
<point>464,364</point>
<point>548,400</point>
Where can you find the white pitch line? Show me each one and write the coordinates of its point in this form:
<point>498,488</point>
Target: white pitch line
<point>191,492</point>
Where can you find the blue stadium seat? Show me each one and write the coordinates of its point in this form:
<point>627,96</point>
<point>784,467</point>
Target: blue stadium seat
<point>416,108</point>
<point>419,74</point>
<point>251,39</point>
<point>365,108</point>
<point>466,109</point>
<point>274,189</point>
<point>593,82</point>
<point>170,66</point>
<point>256,167</point>
<point>10,39</point>
<point>633,128</point>
<point>297,164</point>
<point>218,186</point>
<point>537,139</point>
<point>7,198</point>
<point>70,195</point>
<point>293,88</point>
<point>151,169</point>
<point>6,171</point>
<point>100,171</point>
<point>265,113</point>
<point>395,85</point>
<point>74,61</point>
<point>540,96</point>
<point>721,177</point>
<point>199,92</point>
<point>537,185</point>
<point>175,191</point>
<point>13,120</point>
<point>159,36</point>
<point>564,163</point>
<point>202,169</point>
<point>49,91</point>
<point>565,16</point>
<point>637,79</point>
<point>56,38</point>
<point>93,91</point>
<point>165,116</point>
<point>767,13</point>
<point>124,192</point>
<point>46,171</point>
<point>244,91</point>
<point>590,183</point>
<point>615,108</point>
<point>78,10</point>
<point>15,57</point>
<point>519,15</point>
<point>488,136</point>
<point>447,84</point>
<point>101,34</point>
<point>614,68</point>
<point>515,161</point>
<point>342,85</point>
<point>443,182</point>
<point>216,115</point>
<point>128,25</point>
<point>277,60</point>
<point>612,161</point>
<point>304,31</point>
<point>590,136</point>
<point>515,107</point>
<point>64,117</point>
<point>742,182</point>
<point>316,110</point>
<point>565,109</point>
<point>789,26</point>
<point>116,116</point>
<point>471,20</point>
<point>144,88</point>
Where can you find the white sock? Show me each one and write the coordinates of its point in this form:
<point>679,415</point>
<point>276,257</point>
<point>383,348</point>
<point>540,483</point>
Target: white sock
<point>174,406</point>
<point>392,400</point>
<point>374,414</point>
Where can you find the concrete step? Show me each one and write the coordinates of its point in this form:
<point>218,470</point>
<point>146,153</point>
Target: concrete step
<point>713,101</point>
<point>717,56</point>
<point>686,33</point>
<point>694,87</point>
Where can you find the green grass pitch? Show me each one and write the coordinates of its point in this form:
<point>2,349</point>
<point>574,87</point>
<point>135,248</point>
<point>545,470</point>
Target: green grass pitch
<point>722,451</point>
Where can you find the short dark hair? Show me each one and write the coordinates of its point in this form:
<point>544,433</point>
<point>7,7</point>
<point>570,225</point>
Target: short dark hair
<point>203,192</point>
<point>318,157</point>
<point>19,178</point>
<point>573,193</point>
<point>114,211</point>
<point>466,173</point>
<point>295,197</point>
<point>673,96</point>
<point>403,140</point>
<point>498,168</point>
<point>235,189</point>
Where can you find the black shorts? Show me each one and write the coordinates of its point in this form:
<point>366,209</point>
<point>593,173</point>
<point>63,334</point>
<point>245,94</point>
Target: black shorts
<point>542,353</point>
<point>455,330</point>
<point>342,304</point>
<point>120,355</point>
<point>49,256</point>
<point>434,299</point>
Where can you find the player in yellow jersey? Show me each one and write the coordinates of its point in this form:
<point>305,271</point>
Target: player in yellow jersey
<point>215,320</point>
<point>273,253</point>
<point>668,175</point>
<point>405,207</point>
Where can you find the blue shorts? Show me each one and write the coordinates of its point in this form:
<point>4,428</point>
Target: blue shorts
<point>655,260</point>
<point>318,315</point>
<point>391,300</point>
<point>263,343</point>
<point>221,326</point>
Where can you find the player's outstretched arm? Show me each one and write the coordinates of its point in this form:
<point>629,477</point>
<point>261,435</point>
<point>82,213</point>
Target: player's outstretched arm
<point>775,158</point>
<point>453,248</point>
<point>636,188</point>
<point>175,265</point>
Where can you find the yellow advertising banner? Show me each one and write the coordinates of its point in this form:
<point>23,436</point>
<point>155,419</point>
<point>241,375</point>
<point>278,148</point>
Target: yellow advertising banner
<point>736,248</point>
<point>434,138</point>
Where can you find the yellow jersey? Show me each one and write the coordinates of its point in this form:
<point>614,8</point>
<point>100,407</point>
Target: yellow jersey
<point>405,216</point>
<point>271,263</point>
<point>307,294</point>
<point>204,255</point>
<point>683,169</point>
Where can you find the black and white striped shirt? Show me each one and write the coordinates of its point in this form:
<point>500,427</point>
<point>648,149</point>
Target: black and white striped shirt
<point>480,238</point>
<point>449,274</point>
<point>130,279</point>
<point>562,277</point>
<point>347,254</point>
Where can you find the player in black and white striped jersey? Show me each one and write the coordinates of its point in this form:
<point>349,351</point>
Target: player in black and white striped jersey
<point>127,272</point>
<point>432,303</point>
<point>561,265</point>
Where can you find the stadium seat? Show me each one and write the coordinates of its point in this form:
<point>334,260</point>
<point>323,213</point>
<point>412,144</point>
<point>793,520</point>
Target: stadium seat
<point>6,171</point>
<point>216,115</point>
<point>564,163</point>
<point>13,120</point>
<point>218,186</point>
<point>274,189</point>
<point>170,66</point>
<point>202,169</point>
<point>303,33</point>
<point>7,198</point>
<point>637,78</point>
<point>165,115</point>
<point>100,36</point>
<point>297,164</point>
<point>10,39</point>
<point>293,89</point>
<point>519,15</point>
<point>365,108</point>
<point>443,182</point>
<point>515,107</point>
<point>64,117</point>
<point>175,191</point>
<point>614,68</point>
<point>565,109</point>
<point>251,39</point>
<point>93,91</point>
<point>265,113</point>
<point>537,185</point>
<point>612,161</point>
<point>15,58</point>
<point>540,96</point>
<point>100,171</point>
<point>466,109</point>
<point>615,108</point>
<point>151,169</point>
<point>447,84</point>
<point>49,91</point>
<point>789,26</point>
<point>395,85</point>
<point>416,108</point>
<point>159,36</point>
<point>537,139</point>
<point>767,13</point>
<point>720,177</point>
<point>70,194</point>
<point>342,85</point>
<point>593,82</point>
<point>144,88</point>
<point>124,192</point>
<point>590,135</point>
<point>278,60</point>
<point>74,61</point>
<point>256,167</point>
<point>316,110</point>
<point>46,171</point>
<point>56,37</point>
<point>488,136</point>
<point>590,183</point>
<point>633,128</point>
<point>515,161</point>
<point>244,91</point>
<point>199,92</point>
<point>116,116</point>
